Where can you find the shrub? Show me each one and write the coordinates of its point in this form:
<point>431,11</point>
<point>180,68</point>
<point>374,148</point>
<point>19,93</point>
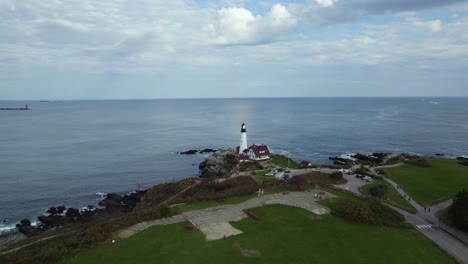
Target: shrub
<point>420,162</point>
<point>464,163</point>
<point>250,165</point>
<point>336,175</point>
<point>458,211</point>
<point>369,211</point>
<point>298,180</point>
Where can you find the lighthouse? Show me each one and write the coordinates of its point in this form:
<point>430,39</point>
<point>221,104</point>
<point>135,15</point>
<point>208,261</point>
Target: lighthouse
<point>243,140</point>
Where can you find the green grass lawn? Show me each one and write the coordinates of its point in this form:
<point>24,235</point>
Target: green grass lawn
<point>285,161</point>
<point>429,186</point>
<point>391,197</point>
<point>283,235</point>
<point>261,172</point>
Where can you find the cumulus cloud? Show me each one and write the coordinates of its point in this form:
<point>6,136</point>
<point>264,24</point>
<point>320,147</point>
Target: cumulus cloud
<point>239,26</point>
<point>326,2</point>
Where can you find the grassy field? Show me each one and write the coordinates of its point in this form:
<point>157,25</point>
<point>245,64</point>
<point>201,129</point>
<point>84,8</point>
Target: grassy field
<point>429,186</point>
<point>284,161</point>
<point>283,235</point>
<point>391,197</point>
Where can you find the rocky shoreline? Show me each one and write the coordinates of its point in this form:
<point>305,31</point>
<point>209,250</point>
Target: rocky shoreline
<point>57,216</point>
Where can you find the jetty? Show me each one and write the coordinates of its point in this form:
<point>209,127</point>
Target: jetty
<point>13,108</point>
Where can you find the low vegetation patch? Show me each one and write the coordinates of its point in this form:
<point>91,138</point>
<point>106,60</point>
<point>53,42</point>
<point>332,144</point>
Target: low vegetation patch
<point>369,211</point>
<point>161,192</point>
<point>250,166</point>
<point>458,211</point>
<point>420,162</point>
<point>284,161</point>
<point>66,245</point>
<point>212,190</point>
<point>388,194</point>
<point>364,171</point>
<point>324,178</point>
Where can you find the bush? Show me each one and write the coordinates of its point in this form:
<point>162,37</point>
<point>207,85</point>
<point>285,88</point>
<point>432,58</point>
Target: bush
<point>464,163</point>
<point>420,162</point>
<point>362,170</point>
<point>299,181</point>
<point>379,191</point>
<point>370,212</point>
<point>250,165</point>
<point>458,211</point>
<point>336,175</point>
<point>212,190</point>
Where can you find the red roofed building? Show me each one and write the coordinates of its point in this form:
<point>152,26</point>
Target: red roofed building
<point>305,164</point>
<point>258,152</point>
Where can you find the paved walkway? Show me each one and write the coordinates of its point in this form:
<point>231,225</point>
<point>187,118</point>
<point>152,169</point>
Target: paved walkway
<point>214,216</point>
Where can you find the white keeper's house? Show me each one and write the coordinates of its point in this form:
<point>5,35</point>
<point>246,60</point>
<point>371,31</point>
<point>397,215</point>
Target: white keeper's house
<point>254,152</point>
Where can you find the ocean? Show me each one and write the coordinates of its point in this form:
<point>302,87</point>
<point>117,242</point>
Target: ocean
<point>64,152</point>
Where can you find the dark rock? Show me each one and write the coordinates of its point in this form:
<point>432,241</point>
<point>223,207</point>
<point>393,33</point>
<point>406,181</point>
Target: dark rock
<point>342,160</point>
<point>207,150</point>
<point>57,210</point>
<point>25,227</point>
<point>25,222</point>
<point>73,214</point>
<point>51,221</point>
<point>363,157</point>
<point>189,152</point>
<point>462,158</point>
<point>222,163</point>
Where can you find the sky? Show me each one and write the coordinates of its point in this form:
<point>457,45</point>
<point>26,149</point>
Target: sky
<point>143,49</point>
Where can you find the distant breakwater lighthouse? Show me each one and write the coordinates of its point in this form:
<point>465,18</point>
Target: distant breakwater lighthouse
<point>243,140</point>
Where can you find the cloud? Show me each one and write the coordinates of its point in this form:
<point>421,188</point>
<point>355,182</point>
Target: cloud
<point>237,26</point>
<point>433,25</point>
<point>322,13</point>
<point>381,6</point>
<point>326,2</point>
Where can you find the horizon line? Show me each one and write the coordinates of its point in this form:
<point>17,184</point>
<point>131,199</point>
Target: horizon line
<point>226,98</point>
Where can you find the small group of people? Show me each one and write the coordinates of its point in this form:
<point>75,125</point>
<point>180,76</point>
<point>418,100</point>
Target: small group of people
<point>260,192</point>
<point>428,209</point>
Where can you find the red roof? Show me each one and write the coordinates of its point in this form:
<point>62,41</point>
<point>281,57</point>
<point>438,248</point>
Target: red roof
<point>261,150</point>
<point>305,163</point>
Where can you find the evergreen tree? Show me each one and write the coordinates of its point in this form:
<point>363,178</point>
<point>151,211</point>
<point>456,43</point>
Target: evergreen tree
<point>458,211</point>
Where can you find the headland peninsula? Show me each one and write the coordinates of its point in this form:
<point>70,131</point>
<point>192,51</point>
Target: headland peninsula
<point>407,195</point>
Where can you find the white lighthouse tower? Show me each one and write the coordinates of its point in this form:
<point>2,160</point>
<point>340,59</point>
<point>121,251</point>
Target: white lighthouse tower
<point>243,140</point>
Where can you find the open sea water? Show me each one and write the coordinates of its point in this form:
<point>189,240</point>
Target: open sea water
<point>64,152</point>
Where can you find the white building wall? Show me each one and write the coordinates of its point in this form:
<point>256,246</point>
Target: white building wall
<point>243,142</point>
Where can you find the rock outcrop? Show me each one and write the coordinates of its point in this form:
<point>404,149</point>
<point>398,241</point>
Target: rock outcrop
<point>221,164</point>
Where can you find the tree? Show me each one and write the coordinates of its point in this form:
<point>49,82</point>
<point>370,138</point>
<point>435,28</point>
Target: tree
<point>458,211</point>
